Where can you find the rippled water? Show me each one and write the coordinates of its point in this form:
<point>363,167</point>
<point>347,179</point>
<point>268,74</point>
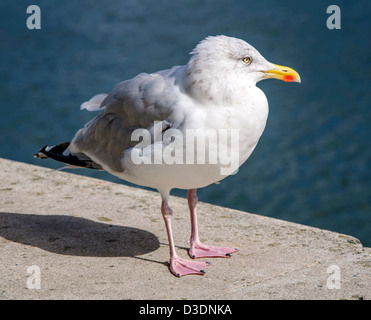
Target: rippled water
<point>312,164</point>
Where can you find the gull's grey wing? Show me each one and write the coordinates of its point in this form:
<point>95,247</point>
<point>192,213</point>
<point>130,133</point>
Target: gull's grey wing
<point>132,104</point>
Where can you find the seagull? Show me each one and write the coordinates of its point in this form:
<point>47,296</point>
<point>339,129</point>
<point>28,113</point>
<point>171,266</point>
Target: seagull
<point>185,127</point>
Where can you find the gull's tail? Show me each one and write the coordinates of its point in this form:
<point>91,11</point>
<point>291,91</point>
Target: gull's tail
<point>61,154</point>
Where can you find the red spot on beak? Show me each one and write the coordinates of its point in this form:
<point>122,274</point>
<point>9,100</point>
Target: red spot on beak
<point>288,78</point>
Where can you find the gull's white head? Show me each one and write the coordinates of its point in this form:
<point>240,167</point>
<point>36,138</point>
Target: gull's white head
<point>229,65</point>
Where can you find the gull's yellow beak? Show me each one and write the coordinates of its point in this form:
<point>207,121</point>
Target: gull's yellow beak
<point>282,73</point>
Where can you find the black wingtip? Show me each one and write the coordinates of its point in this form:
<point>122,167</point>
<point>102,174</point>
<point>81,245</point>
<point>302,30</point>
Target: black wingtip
<point>56,153</point>
<point>41,154</point>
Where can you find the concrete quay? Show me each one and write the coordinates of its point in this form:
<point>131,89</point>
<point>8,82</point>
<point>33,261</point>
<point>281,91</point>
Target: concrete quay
<point>66,236</point>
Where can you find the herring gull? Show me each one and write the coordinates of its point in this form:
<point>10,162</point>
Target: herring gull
<point>186,127</point>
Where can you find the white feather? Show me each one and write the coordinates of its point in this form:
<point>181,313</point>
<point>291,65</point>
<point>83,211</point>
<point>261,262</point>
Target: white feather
<point>95,103</point>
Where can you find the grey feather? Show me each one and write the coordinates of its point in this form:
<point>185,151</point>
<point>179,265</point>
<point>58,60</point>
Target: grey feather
<point>132,104</point>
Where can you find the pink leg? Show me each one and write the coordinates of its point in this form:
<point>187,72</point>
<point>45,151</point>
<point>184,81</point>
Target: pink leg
<point>179,267</point>
<point>198,249</point>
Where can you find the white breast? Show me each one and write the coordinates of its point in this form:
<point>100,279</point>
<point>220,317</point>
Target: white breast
<point>245,122</point>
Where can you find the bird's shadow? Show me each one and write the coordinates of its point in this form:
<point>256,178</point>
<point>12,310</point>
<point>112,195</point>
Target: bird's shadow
<point>76,236</point>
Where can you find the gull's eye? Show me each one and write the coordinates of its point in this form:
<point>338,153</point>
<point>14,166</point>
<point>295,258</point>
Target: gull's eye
<point>247,60</point>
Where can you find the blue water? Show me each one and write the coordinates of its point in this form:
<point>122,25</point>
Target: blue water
<point>312,165</point>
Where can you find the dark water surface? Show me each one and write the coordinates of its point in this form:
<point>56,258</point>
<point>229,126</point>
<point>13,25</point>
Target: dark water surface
<point>312,165</point>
